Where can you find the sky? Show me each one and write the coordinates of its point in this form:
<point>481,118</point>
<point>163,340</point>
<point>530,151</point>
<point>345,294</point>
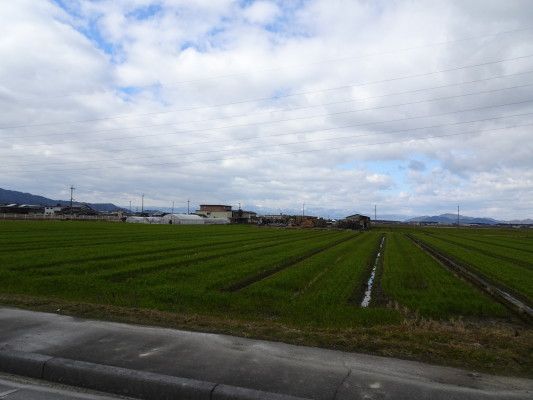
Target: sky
<point>389,108</point>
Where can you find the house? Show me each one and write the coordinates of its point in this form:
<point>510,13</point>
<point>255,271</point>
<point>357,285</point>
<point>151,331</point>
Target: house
<point>53,210</point>
<point>21,209</point>
<point>215,211</point>
<point>239,216</point>
<point>356,221</point>
<point>82,209</point>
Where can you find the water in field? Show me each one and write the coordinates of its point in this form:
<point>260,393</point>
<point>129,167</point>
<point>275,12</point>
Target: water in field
<point>368,291</point>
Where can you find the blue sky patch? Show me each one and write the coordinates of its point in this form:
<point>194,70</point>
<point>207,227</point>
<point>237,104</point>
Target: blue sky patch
<point>70,7</point>
<point>91,31</point>
<point>146,12</point>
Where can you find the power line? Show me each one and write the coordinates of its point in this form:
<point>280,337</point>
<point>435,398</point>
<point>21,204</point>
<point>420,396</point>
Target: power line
<point>273,154</point>
<point>276,145</point>
<point>286,120</point>
<point>297,132</point>
<point>272,111</point>
<point>270,98</point>
<point>350,58</point>
<point>448,42</point>
<point>315,130</point>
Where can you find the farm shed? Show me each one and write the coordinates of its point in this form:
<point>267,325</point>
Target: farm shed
<point>216,221</point>
<point>215,211</point>
<point>182,219</point>
<point>358,221</point>
<point>143,220</point>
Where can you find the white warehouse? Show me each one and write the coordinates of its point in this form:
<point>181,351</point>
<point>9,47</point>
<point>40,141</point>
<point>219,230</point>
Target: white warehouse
<point>178,219</point>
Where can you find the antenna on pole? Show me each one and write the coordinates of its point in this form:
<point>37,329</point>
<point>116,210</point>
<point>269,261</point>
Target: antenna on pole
<point>72,188</point>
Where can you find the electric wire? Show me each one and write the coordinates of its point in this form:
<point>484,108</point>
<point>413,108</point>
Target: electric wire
<point>289,119</point>
<point>78,132</point>
<point>448,42</point>
<point>273,145</point>
<point>271,98</point>
<point>362,56</point>
<point>309,131</point>
<point>272,154</point>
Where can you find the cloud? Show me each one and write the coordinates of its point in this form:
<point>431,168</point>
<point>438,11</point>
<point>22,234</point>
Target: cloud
<point>261,12</point>
<point>337,104</point>
<point>417,165</point>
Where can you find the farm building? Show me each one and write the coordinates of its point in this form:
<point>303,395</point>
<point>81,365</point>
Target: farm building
<point>304,221</point>
<point>181,219</point>
<point>356,221</point>
<point>21,209</point>
<point>226,212</point>
<point>143,220</point>
<point>53,210</point>
<point>81,209</point>
<point>243,217</point>
<point>215,211</point>
<point>192,219</point>
<point>178,219</point>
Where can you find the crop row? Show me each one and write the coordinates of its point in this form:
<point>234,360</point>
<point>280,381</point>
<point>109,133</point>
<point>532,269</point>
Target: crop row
<point>322,289</point>
<point>142,242</point>
<point>297,276</point>
<point>494,248</point>
<point>517,278</point>
<point>417,281</point>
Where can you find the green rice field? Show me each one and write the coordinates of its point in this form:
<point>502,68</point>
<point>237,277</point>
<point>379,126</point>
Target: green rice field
<point>312,277</point>
<point>310,280</point>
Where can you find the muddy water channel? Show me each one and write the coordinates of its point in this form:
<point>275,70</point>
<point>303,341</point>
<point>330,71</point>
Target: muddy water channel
<point>368,292</point>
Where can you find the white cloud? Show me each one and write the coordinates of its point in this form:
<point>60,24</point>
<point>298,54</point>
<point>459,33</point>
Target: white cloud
<point>269,103</point>
<point>261,12</point>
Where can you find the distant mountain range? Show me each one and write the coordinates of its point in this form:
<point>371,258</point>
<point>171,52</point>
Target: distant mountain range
<point>452,219</point>
<point>14,197</point>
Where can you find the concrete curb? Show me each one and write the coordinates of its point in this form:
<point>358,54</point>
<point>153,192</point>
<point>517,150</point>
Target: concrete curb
<point>122,381</point>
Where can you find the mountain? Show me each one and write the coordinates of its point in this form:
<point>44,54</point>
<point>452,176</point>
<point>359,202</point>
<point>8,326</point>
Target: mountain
<point>14,197</point>
<point>452,219</point>
<point>521,221</point>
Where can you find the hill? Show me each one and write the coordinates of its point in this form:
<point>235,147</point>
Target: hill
<point>14,197</point>
<point>463,219</point>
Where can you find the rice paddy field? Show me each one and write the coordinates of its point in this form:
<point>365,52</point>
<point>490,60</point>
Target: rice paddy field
<point>294,285</point>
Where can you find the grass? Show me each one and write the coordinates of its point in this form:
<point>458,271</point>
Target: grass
<point>519,253</point>
<point>517,278</point>
<point>297,286</point>
<point>321,290</point>
<point>413,278</point>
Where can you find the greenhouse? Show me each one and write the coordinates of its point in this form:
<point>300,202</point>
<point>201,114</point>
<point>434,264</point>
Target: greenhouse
<point>182,219</point>
<point>143,220</point>
<point>178,219</point>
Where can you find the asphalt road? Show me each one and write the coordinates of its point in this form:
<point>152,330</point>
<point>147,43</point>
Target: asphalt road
<point>266,367</point>
<point>17,388</point>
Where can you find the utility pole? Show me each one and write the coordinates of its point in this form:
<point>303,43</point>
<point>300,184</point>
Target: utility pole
<point>188,202</point>
<point>303,209</point>
<point>375,213</point>
<point>71,197</point>
<point>172,207</point>
<point>457,215</point>
<point>142,204</point>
